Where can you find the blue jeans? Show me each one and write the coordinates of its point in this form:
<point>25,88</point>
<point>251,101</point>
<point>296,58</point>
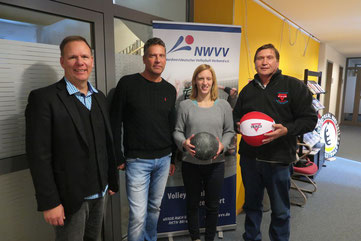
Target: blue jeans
<point>145,180</point>
<point>256,176</point>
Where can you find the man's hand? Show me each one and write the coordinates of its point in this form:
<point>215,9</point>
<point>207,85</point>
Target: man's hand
<point>279,130</point>
<point>171,169</point>
<point>55,216</point>
<point>121,167</point>
<point>233,92</point>
<point>110,192</point>
<point>239,127</point>
<point>188,146</point>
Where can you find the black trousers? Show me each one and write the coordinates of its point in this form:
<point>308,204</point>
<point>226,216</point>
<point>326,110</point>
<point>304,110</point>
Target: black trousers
<point>196,178</point>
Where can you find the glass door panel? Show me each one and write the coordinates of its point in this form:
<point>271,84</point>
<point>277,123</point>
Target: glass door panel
<point>129,39</point>
<point>349,95</point>
<point>29,59</point>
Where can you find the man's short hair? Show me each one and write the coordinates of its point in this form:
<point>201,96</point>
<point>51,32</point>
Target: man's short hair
<point>69,39</point>
<point>151,42</point>
<point>267,46</point>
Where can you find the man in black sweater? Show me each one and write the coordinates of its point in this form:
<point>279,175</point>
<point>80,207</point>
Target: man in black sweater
<point>144,104</point>
<point>289,102</point>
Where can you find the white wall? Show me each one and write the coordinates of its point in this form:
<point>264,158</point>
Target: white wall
<point>327,53</point>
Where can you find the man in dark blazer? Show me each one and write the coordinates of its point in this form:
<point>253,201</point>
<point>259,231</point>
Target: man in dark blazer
<point>70,147</point>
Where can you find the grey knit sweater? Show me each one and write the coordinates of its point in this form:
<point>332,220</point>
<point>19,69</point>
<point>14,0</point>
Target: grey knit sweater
<point>192,119</point>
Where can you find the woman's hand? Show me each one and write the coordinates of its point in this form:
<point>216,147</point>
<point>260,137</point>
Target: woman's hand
<point>220,148</point>
<point>188,146</point>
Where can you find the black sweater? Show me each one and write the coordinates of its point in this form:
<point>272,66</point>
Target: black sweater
<point>146,110</point>
<point>289,102</point>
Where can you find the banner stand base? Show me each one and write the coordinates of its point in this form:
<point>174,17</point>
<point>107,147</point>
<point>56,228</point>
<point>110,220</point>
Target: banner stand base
<point>220,230</point>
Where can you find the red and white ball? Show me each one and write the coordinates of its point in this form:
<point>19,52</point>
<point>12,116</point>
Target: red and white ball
<point>254,125</point>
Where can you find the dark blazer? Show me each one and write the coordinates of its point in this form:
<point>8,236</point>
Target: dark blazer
<point>57,148</point>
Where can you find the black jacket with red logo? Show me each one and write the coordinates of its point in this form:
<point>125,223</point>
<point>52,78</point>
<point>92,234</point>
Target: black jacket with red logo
<point>289,102</point>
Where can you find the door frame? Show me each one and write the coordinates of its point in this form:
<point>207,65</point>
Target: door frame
<point>17,163</point>
<point>357,98</point>
<point>339,101</point>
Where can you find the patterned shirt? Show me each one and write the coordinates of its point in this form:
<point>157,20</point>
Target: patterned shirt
<point>86,100</point>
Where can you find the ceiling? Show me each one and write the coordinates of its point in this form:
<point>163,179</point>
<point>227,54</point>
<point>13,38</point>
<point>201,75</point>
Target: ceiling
<point>334,22</point>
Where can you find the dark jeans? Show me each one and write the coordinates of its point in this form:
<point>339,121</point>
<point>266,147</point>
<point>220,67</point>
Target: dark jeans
<point>257,176</point>
<point>195,178</point>
<point>85,224</point>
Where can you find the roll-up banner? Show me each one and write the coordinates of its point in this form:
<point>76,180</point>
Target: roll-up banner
<point>189,45</point>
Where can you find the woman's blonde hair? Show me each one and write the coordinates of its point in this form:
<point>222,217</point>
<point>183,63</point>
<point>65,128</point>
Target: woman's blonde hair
<point>214,89</point>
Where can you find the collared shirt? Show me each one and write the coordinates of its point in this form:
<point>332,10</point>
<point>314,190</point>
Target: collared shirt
<point>260,84</point>
<point>86,100</point>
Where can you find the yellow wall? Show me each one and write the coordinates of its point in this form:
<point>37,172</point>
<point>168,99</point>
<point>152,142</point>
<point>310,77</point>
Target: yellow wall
<point>261,27</point>
<point>213,11</point>
<point>264,27</point>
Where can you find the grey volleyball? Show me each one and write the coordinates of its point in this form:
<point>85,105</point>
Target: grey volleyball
<point>206,145</point>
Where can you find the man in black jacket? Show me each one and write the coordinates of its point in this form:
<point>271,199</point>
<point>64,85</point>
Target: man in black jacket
<point>289,102</point>
<point>70,148</point>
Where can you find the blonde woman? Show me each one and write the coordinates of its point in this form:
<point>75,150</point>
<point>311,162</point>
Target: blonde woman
<point>203,112</point>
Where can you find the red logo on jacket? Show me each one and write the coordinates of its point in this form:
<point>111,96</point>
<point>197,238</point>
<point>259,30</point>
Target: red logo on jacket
<point>282,97</point>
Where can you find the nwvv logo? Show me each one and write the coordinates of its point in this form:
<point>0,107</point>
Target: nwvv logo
<point>208,51</point>
<point>188,39</point>
<point>198,50</point>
